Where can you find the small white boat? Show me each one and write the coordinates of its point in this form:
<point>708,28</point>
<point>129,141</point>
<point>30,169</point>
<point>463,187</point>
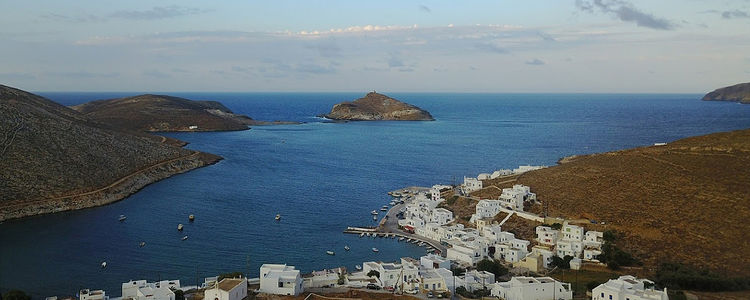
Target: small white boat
<point>346,248</point>
<point>122,218</point>
<point>278,217</point>
<point>361,234</point>
<point>421,244</point>
<point>358,267</point>
<point>374,212</point>
<point>374,218</point>
<point>191,218</point>
<point>104,264</point>
<point>179,227</point>
<point>329,252</point>
<point>383,209</point>
<point>368,234</point>
<point>375,250</point>
<point>142,244</point>
<point>408,241</point>
<point>401,239</point>
<point>184,238</point>
<point>393,236</point>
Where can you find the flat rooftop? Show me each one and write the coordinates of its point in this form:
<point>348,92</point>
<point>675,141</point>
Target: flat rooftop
<point>229,283</point>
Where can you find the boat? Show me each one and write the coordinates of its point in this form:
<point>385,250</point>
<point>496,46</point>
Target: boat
<point>375,250</point>
<point>393,236</point>
<point>278,217</point>
<point>421,244</point>
<point>401,239</point>
<point>142,244</point>
<point>191,218</point>
<point>408,241</point>
<point>374,212</point>
<point>374,218</point>
<point>393,203</point>
<point>104,264</point>
<point>368,234</point>
<point>184,238</point>
<point>122,218</point>
<point>383,209</point>
<point>361,234</point>
<point>179,227</point>
<point>358,267</point>
<point>346,248</point>
<point>329,252</point>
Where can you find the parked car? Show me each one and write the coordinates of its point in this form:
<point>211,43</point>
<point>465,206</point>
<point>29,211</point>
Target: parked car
<point>372,286</point>
<point>430,295</point>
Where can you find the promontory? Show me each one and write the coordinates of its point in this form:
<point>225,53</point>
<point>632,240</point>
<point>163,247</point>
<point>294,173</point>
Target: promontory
<point>735,93</point>
<point>377,107</point>
<point>53,158</point>
<point>153,113</point>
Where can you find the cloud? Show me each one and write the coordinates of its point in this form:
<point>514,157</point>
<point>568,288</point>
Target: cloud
<point>735,14</point>
<point>424,8</point>
<point>157,12</point>
<point>626,12</point>
<point>491,47</point>
<point>535,62</point>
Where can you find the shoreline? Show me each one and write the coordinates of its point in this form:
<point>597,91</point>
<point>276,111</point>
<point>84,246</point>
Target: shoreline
<point>116,191</point>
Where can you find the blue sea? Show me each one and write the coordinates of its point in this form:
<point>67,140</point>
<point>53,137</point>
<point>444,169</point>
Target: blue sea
<point>322,177</point>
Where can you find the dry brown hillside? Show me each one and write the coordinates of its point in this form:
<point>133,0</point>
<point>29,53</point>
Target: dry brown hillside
<point>688,201</point>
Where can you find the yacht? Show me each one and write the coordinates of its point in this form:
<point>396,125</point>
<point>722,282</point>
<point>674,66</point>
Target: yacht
<point>401,239</point>
<point>122,218</point>
<point>361,234</point>
<point>184,238</point>
<point>374,212</point>
<point>329,252</point>
<point>104,264</point>
<point>142,244</point>
<point>375,250</point>
<point>278,217</point>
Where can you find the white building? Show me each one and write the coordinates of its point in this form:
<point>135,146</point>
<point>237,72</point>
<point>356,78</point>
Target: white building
<point>87,294</point>
<point>486,209</point>
<point>441,216</point>
<point>513,198</point>
<point>546,235</point>
<point>628,288</point>
<point>433,261</point>
<point>462,254</point>
<point>572,232</point>
<point>142,290</point>
<point>546,254</point>
<point>501,172</point>
<point>591,254</point>
<point>593,239</point>
<point>531,288</point>
<point>395,275</point>
<point>484,176</point>
<point>323,278</point>
<point>437,190</point>
<point>280,280</point>
<point>430,280</point>
<point>227,289</point>
<point>523,169</point>
<point>569,248</point>
<point>471,184</point>
<point>476,280</point>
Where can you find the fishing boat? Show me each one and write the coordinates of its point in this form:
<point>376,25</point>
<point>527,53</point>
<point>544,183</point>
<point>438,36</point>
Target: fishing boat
<point>361,234</point>
<point>142,244</point>
<point>122,218</point>
<point>191,218</point>
<point>374,212</point>
<point>179,227</point>
<point>278,217</point>
<point>358,267</point>
<point>184,237</point>
<point>329,252</point>
<point>375,250</point>
<point>346,248</point>
<point>401,239</point>
<point>104,264</point>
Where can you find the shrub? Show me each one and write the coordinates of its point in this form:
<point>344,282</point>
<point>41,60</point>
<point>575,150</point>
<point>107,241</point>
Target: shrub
<point>492,266</point>
<point>556,226</point>
<point>373,273</point>
<point>562,263</point>
<point>179,295</point>
<point>679,277</point>
<point>458,271</point>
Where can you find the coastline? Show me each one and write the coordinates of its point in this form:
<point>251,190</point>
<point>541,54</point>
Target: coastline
<point>116,191</point>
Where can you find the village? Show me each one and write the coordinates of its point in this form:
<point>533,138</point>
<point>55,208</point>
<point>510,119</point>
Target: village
<point>465,261</point>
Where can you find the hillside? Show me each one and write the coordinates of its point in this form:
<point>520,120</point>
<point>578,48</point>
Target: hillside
<point>687,201</point>
<point>736,93</point>
<point>377,107</point>
<point>163,113</point>
<point>53,158</point>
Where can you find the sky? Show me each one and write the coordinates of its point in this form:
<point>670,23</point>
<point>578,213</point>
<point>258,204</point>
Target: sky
<point>520,46</point>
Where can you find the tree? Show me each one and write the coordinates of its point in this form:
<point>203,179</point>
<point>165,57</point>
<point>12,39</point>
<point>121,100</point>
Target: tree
<point>16,295</point>
<point>492,266</point>
<point>556,226</point>
<point>458,271</point>
<point>179,295</point>
<point>562,263</point>
<point>373,273</point>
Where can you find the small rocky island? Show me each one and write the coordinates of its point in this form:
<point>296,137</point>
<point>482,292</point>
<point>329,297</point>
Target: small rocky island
<point>735,93</point>
<point>377,107</point>
<point>154,113</point>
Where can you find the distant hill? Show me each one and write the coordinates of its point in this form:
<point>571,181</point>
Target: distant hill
<point>375,107</point>
<point>736,93</point>
<point>163,113</point>
<point>53,158</point>
<point>687,201</point>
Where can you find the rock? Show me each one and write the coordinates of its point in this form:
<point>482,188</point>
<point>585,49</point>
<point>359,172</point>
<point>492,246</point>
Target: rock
<point>377,107</point>
<point>736,93</point>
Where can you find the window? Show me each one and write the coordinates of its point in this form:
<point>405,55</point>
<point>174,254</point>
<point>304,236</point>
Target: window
<point>610,297</point>
<point>426,286</point>
<point>281,284</point>
<point>602,295</point>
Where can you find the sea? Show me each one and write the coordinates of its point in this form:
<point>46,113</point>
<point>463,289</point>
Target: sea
<point>322,177</point>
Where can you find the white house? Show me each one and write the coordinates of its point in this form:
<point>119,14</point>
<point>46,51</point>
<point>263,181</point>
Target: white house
<point>433,261</point>
<point>509,253</point>
<point>280,280</point>
<point>513,198</point>
<point>532,288</point>
<point>546,235</point>
<point>463,254</point>
<point>431,280</point>
<point>142,290</point>
<point>87,294</point>
<point>501,172</point>
<point>486,209</point>
<point>546,254</point>
<point>593,239</point>
<point>628,288</point>
<point>437,190</point>
<point>572,232</point>
<point>441,216</point>
<point>590,254</point>
<point>523,169</point>
<point>323,278</point>
<point>569,247</point>
<point>227,289</point>
<point>471,184</point>
<point>477,280</point>
<point>396,275</point>
<point>484,176</point>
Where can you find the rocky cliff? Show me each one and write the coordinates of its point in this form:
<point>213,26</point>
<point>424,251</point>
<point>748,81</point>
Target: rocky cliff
<point>736,93</point>
<point>375,107</point>
<point>163,113</point>
<point>53,158</point>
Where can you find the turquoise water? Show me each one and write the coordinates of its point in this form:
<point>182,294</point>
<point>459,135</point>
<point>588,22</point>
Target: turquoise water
<point>322,177</point>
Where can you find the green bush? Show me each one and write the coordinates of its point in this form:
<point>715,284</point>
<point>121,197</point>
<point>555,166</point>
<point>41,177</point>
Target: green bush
<point>556,226</point>
<point>458,271</point>
<point>492,266</point>
<point>562,263</point>
<point>683,277</point>
<point>179,295</point>
<point>373,273</point>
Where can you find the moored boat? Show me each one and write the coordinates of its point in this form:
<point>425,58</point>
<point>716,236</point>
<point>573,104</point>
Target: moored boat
<point>179,227</point>
<point>104,264</point>
<point>361,234</point>
<point>142,244</point>
<point>278,217</point>
<point>346,248</point>
<point>358,267</point>
<point>184,237</point>
<point>191,218</point>
<point>374,212</point>
<point>329,252</point>
<point>122,218</point>
<point>401,239</point>
<point>375,250</point>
